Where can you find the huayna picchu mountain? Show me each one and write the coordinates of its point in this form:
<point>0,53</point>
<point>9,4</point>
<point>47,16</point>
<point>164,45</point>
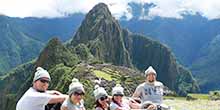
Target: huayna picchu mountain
<point>103,36</point>
<point>100,48</point>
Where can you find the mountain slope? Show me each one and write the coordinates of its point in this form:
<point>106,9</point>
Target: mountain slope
<point>23,38</point>
<point>43,29</point>
<point>207,65</point>
<point>16,47</point>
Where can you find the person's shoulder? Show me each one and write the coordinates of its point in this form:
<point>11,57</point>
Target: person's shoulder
<point>141,85</point>
<point>113,106</point>
<point>64,104</point>
<point>98,108</point>
<point>64,108</point>
<point>158,83</point>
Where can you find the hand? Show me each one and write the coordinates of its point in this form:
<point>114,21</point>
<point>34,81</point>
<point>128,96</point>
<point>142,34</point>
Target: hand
<point>152,107</point>
<point>134,105</point>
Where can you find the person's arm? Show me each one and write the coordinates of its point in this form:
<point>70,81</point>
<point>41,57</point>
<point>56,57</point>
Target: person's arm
<point>54,92</point>
<point>57,98</point>
<point>134,105</point>
<point>137,92</point>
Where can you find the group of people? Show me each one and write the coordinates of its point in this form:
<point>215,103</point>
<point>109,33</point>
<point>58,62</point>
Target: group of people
<point>148,95</point>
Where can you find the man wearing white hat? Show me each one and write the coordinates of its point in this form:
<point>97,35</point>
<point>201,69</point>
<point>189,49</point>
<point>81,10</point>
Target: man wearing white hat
<point>37,96</point>
<point>151,89</point>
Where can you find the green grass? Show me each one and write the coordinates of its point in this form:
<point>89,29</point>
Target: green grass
<point>202,103</point>
<point>171,97</point>
<point>200,96</point>
<point>103,75</point>
<point>179,104</point>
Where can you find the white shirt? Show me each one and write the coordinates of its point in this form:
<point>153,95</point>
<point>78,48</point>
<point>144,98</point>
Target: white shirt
<point>71,106</point>
<point>33,100</point>
<point>150,92</point>
<point>124,106</point>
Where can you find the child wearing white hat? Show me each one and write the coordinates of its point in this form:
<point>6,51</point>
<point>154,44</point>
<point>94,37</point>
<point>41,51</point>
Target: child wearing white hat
<point>101,98</point>
<point>75,100</point>
<point>117,102</point>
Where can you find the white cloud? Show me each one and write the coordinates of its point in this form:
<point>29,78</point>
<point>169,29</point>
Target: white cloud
<point>119,8</point>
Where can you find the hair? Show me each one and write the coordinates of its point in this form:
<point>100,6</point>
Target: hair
<point>97,104</point>
<point>113,100</point>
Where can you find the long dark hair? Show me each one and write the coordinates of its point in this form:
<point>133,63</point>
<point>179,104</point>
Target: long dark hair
<point>113,100</point>
<point>97,104</point>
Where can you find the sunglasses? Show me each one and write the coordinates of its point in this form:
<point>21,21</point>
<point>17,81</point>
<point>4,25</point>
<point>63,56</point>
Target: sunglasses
<point>44,81</point>
<point>78,93</point>
<point>103,98</point>
<point>119,95</point>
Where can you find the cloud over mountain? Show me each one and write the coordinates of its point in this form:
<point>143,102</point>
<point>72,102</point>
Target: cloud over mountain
<point>119,8</point>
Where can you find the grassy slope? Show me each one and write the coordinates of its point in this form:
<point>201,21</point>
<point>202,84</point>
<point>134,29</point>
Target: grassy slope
<point>203,103</point>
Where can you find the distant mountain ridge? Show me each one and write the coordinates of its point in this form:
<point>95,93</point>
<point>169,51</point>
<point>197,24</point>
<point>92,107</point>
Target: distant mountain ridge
<point>190,38</point>
<point>16,46</point>
<point>22,39</point>
<point>207,64</point>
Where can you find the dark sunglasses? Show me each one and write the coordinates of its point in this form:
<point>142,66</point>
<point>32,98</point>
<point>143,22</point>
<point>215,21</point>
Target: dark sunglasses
<point>119,95</point>
<point>78,93</point>
<point>44,81</point>
<point>103,98</point>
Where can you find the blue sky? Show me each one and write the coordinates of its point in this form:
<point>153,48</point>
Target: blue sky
<point>59,8</point>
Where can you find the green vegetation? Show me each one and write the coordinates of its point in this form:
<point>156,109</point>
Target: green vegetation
<point>200,102</point>
<point>16,46</point>
<point>214,95</point>
<point>200,96</point>
<point>179,104</point>
<point>101,74</point>
<point>207,65</point>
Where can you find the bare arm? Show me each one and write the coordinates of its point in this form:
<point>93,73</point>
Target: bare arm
<point>134,105</point>
<point>136,95</point>
<point>54,92</point>
<point>57,99</point>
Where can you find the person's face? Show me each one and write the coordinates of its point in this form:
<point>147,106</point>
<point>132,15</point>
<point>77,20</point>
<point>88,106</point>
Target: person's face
<point>103,100</point>
<point>151,77</point>
<point>118,97</point>
<point>77,96</point>
<point>41,84</point>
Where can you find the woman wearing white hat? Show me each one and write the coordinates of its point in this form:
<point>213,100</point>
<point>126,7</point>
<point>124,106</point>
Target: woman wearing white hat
<point>75,100</point>
<point>120,103</point>
<point>101,98</point>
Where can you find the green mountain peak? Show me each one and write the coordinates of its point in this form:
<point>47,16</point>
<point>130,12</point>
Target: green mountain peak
<point>103,36</point>
<point>55,53</point>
